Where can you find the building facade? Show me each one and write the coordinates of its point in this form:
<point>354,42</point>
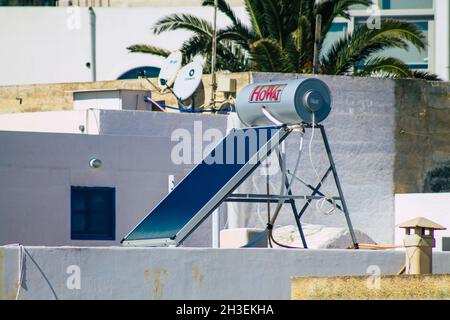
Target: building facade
<point>75,44</point>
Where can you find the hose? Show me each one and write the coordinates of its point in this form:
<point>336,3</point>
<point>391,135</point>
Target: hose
<point>284,191</point>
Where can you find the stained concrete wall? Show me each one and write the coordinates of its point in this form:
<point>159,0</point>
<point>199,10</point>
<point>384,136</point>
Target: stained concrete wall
<point>38,169</point>
<point>422,132</point>
<point>401,287</point>
<point>181,273</point>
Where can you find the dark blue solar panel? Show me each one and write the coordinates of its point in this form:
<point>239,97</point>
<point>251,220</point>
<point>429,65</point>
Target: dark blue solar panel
<point>205,181</point>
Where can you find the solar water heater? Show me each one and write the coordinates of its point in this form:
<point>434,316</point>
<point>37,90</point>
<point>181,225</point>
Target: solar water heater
<point>271,111</point>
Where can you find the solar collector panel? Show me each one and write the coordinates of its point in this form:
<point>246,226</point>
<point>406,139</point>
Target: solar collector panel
<point>206,186</point>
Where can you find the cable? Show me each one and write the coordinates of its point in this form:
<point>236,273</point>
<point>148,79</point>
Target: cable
<point>163,107</point>
<point>268,201</point>
<point>284,193</point>
<point>320,203</point>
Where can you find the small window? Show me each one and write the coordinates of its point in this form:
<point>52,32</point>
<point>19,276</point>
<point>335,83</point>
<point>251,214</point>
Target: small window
<point>445,243</point>
<point>93,213</point>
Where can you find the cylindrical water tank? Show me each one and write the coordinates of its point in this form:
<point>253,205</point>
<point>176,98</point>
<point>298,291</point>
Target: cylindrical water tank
<point>288,101</point>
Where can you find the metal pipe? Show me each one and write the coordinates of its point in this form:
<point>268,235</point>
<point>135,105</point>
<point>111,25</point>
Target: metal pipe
<point>93,22</point>
<point>317,43</point>
<point>216,228</point>
<point>265,197</point>
<point>213,56</point>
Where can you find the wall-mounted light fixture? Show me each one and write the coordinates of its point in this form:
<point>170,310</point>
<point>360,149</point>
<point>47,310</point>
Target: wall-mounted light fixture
<point>95,163</point>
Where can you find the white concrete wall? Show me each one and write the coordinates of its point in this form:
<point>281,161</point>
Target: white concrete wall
<point>37,170</point>
<point>52,121</point>
<point>180,273</point>
<point>433,206</point>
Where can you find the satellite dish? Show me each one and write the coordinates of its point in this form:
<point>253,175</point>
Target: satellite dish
<point>169,70</point>
<point>188,79</point>
<point>200,59</point>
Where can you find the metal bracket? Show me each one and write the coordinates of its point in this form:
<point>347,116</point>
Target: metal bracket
<point>316,194</point>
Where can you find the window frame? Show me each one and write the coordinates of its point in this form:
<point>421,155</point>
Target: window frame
<point>407,14</point>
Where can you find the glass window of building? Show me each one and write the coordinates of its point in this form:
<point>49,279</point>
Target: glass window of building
<point>337,30</point>
<point>414,58</point>
<point>92,213</point>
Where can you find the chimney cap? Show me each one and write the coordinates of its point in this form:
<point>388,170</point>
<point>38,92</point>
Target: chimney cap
<point>421,222</point>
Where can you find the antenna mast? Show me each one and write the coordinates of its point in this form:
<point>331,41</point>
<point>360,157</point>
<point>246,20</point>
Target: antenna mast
<point>213,57</point>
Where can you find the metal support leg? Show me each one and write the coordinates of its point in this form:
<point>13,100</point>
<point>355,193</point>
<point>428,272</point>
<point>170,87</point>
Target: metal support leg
<point>297,219</point>
<point>338,186</point>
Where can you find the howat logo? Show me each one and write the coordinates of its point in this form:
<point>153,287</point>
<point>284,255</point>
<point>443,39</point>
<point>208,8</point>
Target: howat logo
<point>267,93</point>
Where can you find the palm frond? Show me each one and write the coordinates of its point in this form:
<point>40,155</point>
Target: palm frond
<point>146,48</point>
<point>291,57</point>
<point>273,21</point>
<point>266,55</point>
<point>243,36</point>
<point>330,9</point>
<point>223,7</point>
<point>195,45</point>
<point>385,67</point>
<point>394,28</point>
<point>255,10</point>
<point>183,22</point>
<point>364,43</point>
<point>425,75</point>
<point>232,57</point>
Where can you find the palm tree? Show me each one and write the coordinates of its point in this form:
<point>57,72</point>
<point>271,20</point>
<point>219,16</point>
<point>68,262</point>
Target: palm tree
<point>232,50</point>
<point>281,39</point>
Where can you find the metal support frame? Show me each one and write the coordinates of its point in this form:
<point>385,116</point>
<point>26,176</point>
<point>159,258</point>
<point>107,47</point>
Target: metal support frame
<point>316,194</point>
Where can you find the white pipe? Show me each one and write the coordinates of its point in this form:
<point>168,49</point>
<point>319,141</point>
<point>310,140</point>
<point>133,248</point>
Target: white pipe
<point>216,228</point>
<point>93,20</point>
